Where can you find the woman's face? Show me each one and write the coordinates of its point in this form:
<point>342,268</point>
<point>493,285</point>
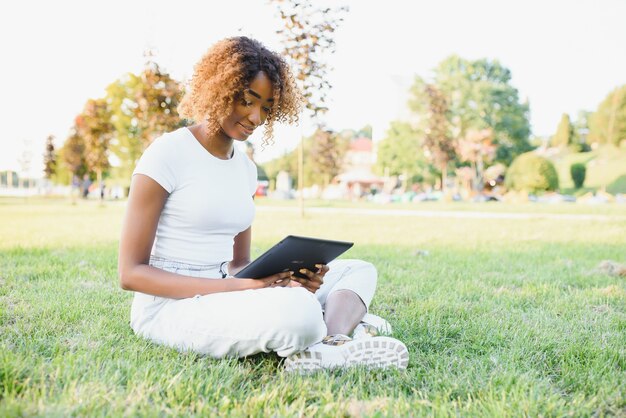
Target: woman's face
<point>250,110</point>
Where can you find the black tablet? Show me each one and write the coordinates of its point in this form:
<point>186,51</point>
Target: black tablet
<point>294,253</point>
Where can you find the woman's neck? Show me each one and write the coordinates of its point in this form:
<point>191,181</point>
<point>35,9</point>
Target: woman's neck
<point>219,145</point>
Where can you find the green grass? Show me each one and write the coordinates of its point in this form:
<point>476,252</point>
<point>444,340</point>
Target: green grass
<point>604,166</point>
<point>618,185</point>
<point>501,318</point>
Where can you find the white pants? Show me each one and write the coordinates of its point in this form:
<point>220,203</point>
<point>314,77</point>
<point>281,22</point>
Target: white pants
<point>238,324</point>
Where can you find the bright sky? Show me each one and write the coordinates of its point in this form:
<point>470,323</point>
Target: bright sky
<point>564,56</point>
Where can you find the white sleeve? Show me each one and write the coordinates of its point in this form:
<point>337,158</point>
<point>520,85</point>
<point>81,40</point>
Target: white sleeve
<point>156,163</point>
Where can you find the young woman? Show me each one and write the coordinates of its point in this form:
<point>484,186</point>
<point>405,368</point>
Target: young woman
<point>188,230</point>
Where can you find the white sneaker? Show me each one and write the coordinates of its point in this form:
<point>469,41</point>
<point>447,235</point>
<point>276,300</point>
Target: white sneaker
<point>371,326</point>
<point>339,351</point>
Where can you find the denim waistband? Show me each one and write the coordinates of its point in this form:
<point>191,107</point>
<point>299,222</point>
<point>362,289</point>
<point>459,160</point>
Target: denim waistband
<point>165,263</point>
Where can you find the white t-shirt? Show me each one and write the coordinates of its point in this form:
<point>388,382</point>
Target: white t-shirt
<point>210,200</point>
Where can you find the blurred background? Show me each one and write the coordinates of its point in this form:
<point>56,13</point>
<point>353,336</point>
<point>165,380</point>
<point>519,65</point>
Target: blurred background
<point>406,101</point>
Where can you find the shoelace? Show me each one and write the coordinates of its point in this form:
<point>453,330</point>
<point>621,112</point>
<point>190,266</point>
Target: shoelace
<point>364,329</point>
<point>337,339</point>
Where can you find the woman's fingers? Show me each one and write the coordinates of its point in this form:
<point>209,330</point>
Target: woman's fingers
<point>312,282</point>
<point>322,269</point>
<point>277,280</point>
<point>310,275</point>
<point>281,279</point>
<point>281,283</point>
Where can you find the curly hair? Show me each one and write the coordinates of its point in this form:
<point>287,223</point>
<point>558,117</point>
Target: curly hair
<point>225,71</point>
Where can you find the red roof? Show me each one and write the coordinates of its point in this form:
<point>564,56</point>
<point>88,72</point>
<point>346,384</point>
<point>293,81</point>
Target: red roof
<point>361,144</point>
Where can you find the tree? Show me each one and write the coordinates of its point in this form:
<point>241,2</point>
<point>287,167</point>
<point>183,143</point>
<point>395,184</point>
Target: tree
<point>73,154</point>
<point>434,123</point>
<point>94,126</point>
<point>564,135</point>
<point>479,96</point>
<point>581,129</point>
<point>49,158</point>
<point>477,148</point>
<point>62,173</point>
<point>328,150</point>
<point>365,132</point>
<point>607,125</point>
<point>287,162</point>
<point>578,172</point>
<point>143,106</point>
<point>307,38</point>
<point>401,153</point>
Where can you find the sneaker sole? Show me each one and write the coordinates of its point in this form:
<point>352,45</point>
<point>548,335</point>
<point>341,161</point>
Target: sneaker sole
<point>378,352</point>
<point>303,362</point>
<point>373,353</point>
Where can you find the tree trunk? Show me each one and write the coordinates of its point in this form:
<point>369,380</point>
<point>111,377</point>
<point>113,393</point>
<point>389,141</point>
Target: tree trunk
<point>444,176</point>
<point>475,176</point>
<point>99,183</point>
<point>479,173</point>
<point>301,176</point>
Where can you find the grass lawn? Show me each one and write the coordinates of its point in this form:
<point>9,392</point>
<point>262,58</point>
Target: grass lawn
<point>484,207</point>
<point>502,317</point>
<point>604,165</point>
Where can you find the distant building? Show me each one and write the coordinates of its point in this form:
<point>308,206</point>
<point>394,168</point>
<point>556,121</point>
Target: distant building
<point>356,176</point>
<point>9,179</point>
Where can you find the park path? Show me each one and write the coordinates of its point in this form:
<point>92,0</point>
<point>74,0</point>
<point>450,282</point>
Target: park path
<point>446,213</point>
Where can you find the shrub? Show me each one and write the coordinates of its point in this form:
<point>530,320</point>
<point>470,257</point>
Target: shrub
<point>532,173</point>
<point>579,147</point>
<point>578,172</point>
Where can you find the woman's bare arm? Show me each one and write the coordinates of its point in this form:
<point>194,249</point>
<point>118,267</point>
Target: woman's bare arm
<point>145,203</point>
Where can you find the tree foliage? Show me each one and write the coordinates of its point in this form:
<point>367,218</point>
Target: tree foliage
<point>434,123</point>
<point>307,37</point>
<point>532,173</point>
<point>143,106</point>
<point>479,96</point>
<point>564,135</point>
<point>327,153</point>
<point>326,150</point>
<point>607,125</point>
<point>365,132</point>
<point>49,158</point>
<point>287,162</point>
<point>581,129</point>
<point>578,171</point>
<point>72,154</point>
<point>477,148</point>
<point>96,130</point>
<point>401,153</point>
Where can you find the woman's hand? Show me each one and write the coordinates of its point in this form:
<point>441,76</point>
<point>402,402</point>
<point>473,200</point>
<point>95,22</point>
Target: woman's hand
<point>275,280</point>
<point>313,280</point>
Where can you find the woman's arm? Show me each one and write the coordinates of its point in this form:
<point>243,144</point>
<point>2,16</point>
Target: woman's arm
<point>241,251</point>
<point>145,204</point>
